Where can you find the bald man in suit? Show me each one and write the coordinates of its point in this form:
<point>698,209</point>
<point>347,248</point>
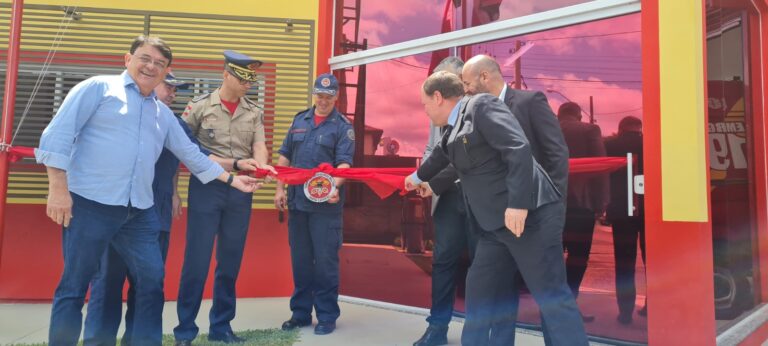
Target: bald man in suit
<point>516,206</point>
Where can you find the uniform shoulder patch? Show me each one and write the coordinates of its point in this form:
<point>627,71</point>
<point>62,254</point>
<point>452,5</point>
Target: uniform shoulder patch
<point>201,97</point>
<point>187,110</point>
<point>351,134</point>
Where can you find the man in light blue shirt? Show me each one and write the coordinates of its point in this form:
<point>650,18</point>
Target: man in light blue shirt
<point>100,151</point>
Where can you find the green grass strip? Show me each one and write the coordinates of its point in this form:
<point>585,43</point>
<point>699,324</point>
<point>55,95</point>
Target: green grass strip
<point>258,337</point>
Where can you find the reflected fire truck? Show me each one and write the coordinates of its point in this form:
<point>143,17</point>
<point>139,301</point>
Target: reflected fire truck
<point>730,193</point>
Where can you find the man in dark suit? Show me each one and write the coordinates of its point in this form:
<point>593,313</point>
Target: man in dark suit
<point>513,201</point>
<point>627,230</point>
<point>482,74</point>
<point>452,234</point>
<point>586,197</point>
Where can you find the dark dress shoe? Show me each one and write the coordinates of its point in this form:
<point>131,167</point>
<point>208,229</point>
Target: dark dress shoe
<point>643,312</point>
<point>433,336</point>
<point>293,324</point>
<point>624,318</point>
<point>183,343</point>
<point>323,328</point>
<point>227,338</point>
<point>587,318</point>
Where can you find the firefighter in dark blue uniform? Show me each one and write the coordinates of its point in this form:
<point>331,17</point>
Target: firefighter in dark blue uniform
<point>230,126</point>
<point>318,135</point>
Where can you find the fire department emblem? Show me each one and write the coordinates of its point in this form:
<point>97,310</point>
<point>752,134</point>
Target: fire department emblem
<point>319,188</point>
<point>325,82</point>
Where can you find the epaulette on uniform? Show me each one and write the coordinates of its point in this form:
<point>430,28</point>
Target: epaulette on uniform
<point>201,97</point>
<point>344,118</point>
<point>252,102</point>
<point>302,112</point>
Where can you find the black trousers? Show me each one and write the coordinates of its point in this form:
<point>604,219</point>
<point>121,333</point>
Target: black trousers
<point>626,233</point>
<point>577,241</point>
<point>452,238</point>
<point>538,256</point>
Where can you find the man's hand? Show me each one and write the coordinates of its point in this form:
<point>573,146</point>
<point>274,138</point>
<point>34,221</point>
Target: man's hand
<point>410,185</point>
<point>247,165</point>
<point>334,198</point>
<point>268,178</point>
<point>514,219</point>
<point>425,190</point>
<point>59,204</point>
<point>280,199</point>
<point>245,183</point>
<point>59,207</point>
<point>176,205</point>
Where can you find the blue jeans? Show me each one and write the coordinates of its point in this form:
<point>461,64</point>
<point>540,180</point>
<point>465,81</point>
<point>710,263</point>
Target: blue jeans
<point>132,233</point>
<point>105,306</point>
<point>453,236</point>
<point>219,213</point>
<point>315,240</point>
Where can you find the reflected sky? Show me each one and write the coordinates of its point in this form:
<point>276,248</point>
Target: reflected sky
<point>599,59</point>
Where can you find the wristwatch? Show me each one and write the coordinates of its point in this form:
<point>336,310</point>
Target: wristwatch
<point>230,179</point>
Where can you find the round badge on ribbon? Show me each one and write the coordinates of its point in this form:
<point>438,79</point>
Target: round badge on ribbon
<point>320,187</point>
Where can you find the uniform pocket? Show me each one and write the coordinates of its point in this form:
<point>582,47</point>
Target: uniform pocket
<point>335,233</point>
<point>246,137</point>
<point>325,150</point>
<point>298,137</point>
<point>209,134</point>
<point>326,140</point>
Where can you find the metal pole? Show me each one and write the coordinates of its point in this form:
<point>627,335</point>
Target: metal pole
<point>591,111</point>
<point>518,67</point>
<point>630,185</point>
<point>9,103</point>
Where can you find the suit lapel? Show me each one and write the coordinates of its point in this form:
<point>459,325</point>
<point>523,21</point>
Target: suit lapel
<point>509,97</point>
<point>457,128</point>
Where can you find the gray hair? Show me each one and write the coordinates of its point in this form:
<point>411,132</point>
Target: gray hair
<point>451,64</point>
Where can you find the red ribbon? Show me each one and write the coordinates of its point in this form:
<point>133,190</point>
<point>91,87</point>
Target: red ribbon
<point>595,164</point>
<point>383,181</point>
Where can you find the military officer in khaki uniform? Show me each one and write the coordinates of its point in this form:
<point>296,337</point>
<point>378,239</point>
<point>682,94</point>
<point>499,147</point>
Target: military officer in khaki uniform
<point>231,126</point>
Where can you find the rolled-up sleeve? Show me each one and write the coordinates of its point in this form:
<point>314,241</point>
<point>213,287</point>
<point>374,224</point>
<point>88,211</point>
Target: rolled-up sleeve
<point>187,152</point>
<point>285,149</point>
<point>56,142</point>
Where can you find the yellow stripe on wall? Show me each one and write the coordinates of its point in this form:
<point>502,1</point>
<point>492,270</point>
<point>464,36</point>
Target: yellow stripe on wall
<point>683,160</point>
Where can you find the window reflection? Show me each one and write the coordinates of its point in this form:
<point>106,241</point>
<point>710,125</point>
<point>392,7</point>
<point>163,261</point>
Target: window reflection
<point>731,171</point>
<point>595,66</point>
<point>394,21</point>
<point>488,11</point>
<point>591,74</point>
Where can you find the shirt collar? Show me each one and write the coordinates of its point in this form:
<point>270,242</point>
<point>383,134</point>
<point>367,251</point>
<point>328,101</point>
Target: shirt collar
<point>454,114</point>
<point>215,98</point>
<point>128,81</point>
<point>503,93</point>
<point>311,114</point>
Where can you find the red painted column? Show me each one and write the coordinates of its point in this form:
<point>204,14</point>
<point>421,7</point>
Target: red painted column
<point>324,36</point>
<point>679,268</point>
<point>9,103</point>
